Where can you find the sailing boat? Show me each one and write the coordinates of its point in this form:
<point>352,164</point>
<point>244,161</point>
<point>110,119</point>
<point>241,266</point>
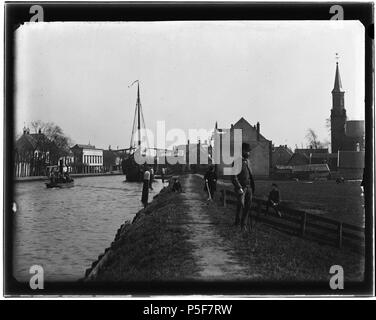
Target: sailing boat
<point>132,170</point>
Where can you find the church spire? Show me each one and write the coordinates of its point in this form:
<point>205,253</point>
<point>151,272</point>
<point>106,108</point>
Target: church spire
<point>338,113</point>
<point>337,80</point>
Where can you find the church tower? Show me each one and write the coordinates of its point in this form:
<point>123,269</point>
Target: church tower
<point>338,114</point>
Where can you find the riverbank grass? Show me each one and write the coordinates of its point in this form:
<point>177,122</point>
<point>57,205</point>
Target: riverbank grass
<point>273,255</point>
<point>154,247</point>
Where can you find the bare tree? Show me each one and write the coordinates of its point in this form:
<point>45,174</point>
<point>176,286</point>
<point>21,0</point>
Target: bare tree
<point>313,140</point>
<point>55,135</point>
<point>36,125</point>
<point>328,125</point>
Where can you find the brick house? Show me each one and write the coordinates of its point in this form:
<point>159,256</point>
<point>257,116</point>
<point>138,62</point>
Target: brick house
<point>33,153</point>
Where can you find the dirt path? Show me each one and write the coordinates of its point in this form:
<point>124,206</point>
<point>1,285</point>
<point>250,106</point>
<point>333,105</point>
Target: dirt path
<point>213,255</point>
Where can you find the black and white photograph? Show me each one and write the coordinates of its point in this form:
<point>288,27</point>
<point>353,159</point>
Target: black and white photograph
<point>203,152</point>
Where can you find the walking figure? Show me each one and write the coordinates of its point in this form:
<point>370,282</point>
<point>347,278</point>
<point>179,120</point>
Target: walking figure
<point>151,178</point>
<point>145,187</point>
<point>176,186</point>
<point>244,187</point>
<point>210,179</point>
<point>274,199</point>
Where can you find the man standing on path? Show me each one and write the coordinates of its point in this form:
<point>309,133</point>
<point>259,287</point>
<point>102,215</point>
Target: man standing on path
<point>151,178</point>
<point>145,187</point>
<point>274,200</point>
<point>163,174</point>
<point>210,180</point>
<point>244,187</point>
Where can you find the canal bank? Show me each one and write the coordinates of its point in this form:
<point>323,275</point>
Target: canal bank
<point>182,237</point>
<point>64,230</point>
<point>153,246</point>
<point>73,175</point>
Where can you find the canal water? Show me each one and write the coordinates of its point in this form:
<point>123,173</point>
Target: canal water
<point>64,230</point>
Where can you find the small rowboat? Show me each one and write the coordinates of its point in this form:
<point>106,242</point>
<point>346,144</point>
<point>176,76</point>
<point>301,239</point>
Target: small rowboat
<point>60,185</point>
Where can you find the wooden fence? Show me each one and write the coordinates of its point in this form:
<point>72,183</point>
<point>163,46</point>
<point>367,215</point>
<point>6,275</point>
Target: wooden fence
<point>301,223</point>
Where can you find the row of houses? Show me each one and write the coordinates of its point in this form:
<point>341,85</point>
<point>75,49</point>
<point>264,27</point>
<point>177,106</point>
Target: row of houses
<point>195,157</point>
<point>34,153</point>
<point>316,163</point>
<point>281,162</point>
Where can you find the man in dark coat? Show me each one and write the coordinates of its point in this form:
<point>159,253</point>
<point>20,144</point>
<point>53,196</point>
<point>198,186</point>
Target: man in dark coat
<point>176,186</point>
<point>210,180</point>
<point>244,187</point>
<point>145,187</point>
<point>151,178</point>
<point>274,199</point>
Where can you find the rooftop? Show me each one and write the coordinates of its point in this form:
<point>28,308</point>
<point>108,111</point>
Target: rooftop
<point>355,128</point>
<point>32,140</point>
<point>84,146</point>
<point>322,167</point>
<point>307,151</point>
<point>351,159</point>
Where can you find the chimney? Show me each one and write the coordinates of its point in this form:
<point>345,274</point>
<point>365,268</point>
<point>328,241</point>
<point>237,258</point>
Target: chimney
<point>109,147</point>
<point>187,153</point>
<point>258,131</point>
<point>198,151</point>
<point>40,131</point>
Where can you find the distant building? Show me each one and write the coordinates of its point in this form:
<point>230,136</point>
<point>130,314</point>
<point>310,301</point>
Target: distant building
<point>67,161</point>
<point>261,148</point>
<point>109,160</point>
<point>282,172</point>
<point>308,151</point>
<point>351,164</point>
<point>314,156</point>
<point>324,158</point>
<point>355,135</point>
<point>112,159</point>
<point>298,159</point>
<point>311,171</point>
<point>281,155</point>
<point>87,159</point>
<point>33,153</point>
<point>193,157</point>
<point>302,171</point>
<point>348,136</point>
<point>345,135</point>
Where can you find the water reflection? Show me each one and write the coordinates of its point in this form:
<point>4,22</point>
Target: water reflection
<point>64,230</point>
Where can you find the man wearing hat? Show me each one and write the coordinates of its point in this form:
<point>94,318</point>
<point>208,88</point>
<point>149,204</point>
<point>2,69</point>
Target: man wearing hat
<point>244,186</point>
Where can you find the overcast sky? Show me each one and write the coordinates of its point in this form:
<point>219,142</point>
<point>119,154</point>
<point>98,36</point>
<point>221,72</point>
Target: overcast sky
<point>192,74</point>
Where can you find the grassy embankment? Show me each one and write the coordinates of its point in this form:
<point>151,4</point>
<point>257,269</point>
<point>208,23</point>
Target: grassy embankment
<point>153,247</point>
<point>342,202</point>
<point>156,247</point>
<point>274,255</point>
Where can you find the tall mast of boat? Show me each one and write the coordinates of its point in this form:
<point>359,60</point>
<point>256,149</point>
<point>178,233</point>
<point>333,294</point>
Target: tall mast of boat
<point>138,114</point>
<point>138,120</point>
